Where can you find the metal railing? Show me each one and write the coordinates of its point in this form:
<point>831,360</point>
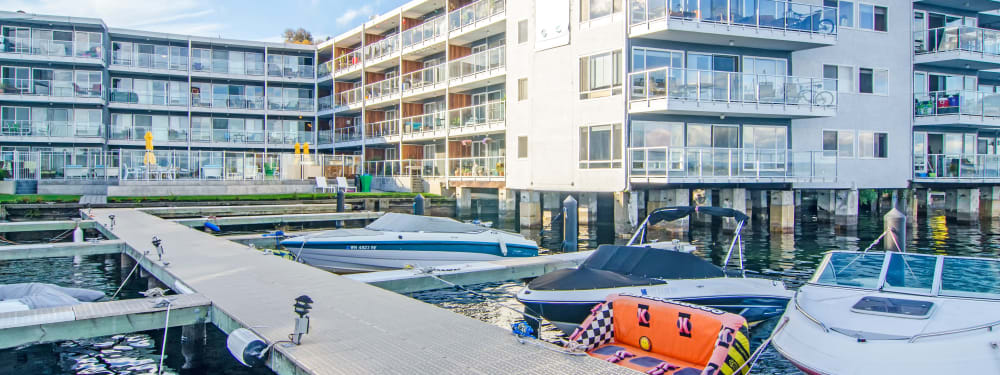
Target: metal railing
<point>324,69</point>
<point>131,133</point>
<point>324,137</point>
<point>382,48</point>
<point>383,88</point>
<point>39,87</point>
<point>482,114</point>
<point>482,167</point>
<point>325,103</point>
<point>346,61</point>
<point>425,77</point>
<point>382,128</point>
<point>349,97</point>
<point>290,104</point>
<point>290,71</point>
<point>351,133</point>
<point>957,38</point>
<point>252,102</point>
<point>150,61</point>
<point>424,123</point>
<point>428,30</point>
<point>957,102</point>
<point>149,98</point>
<point>476,63</point>
<point>773,14</point>
<point>956,166</point>
<point>708,85</point>
<point>474,12</point>
<point>55,48</point>
<point>288,136</point>
<point>250,68</point>
<point>707,163</point>
<point>29,128</point>
<point>44,165</point>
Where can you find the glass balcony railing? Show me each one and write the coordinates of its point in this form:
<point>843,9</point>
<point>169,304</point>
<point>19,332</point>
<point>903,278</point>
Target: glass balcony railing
<point>54,48</point>
<point>956,166</point>
<point>325,103</point>
<point>959,102</point>
<point>382,48</point>
<point>347,61</point>
<point>382,129</point>
<point>483,167</point>
<point>423,78</point>
<point>733,87</point>
<point>425,123</point>
<point>290,71</point>
<point>325,137</point>
<point>957,38</point>
<point>149,98</point>
<point>381,89</point>
<point>39,87</point>
<point>493,58</point>
<point>249,102</point>
<point>324,69</point>
<point>482,114</point>
<point>474,12</point>
<point>289,137</point>
<point>290,104</point>
<point>130,133</point>
<point>730,163</point>
<point>149,61</point>
<point>350,97</point>
<point>352,133</point>
<point>428,30</point>
<point>246,68</point>
<point>479,167</point>
<point>27,128</point>
<point>774,14</point>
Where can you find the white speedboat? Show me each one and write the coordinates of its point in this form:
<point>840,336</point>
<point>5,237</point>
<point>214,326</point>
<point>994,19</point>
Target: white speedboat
<point>399,241</point>
<point>664,270</point>
<point>895,313</point>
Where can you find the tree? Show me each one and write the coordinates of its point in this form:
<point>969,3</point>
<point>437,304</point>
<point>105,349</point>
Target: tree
<point>298,36</point>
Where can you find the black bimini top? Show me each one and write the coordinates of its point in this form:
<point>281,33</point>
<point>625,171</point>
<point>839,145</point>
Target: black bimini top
<point>620,266</point>
<point>679,212</point>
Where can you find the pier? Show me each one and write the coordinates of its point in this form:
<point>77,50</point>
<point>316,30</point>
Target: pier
<point>355,327</point>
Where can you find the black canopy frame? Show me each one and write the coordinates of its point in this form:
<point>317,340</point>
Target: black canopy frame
<point>680,212</point>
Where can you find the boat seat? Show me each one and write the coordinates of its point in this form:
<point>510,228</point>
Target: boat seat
<point>645,361</point>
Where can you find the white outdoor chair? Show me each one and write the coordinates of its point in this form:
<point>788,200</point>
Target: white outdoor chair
<point>321,184</point>
<point>342,185</point>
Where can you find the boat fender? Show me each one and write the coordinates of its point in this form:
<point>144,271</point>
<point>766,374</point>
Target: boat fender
<point>522,329</point>
<point>212,226</point>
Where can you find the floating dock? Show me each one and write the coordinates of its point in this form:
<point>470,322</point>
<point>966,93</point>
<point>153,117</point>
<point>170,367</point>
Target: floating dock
<point>355,327</point>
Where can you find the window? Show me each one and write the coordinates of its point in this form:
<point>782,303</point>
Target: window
<point>522,89</point>
<point>601,146</point>
<point>838,143</point>
<point>522,147</point>
<point>601,75</point>
<point>873,81</point>
<point>594,9</point>
<point>830,77</point>
<point>846,13</point>
<point>522,31</point>
<point>873,144</point>
<point>652,58</point>
<point>871,17</point>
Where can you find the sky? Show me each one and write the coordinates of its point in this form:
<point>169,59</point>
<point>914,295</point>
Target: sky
<point>257,20</point>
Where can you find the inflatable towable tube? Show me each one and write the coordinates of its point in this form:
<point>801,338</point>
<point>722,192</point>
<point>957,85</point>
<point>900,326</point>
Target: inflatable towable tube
<point>664,337</point>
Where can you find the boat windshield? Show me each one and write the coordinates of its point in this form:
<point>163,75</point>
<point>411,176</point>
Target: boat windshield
<point>912,273</point>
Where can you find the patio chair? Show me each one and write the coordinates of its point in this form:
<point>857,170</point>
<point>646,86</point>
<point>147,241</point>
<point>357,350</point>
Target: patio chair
<point>321,184</point>
<point>342,185</point>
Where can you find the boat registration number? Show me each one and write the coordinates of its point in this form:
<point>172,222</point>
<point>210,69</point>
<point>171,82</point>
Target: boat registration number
<point>361,247</point>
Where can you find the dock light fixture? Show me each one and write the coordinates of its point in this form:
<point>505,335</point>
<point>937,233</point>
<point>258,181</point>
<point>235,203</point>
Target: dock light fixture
<point>112,218</point>
<point>302,306</point>
<point>157,243</point>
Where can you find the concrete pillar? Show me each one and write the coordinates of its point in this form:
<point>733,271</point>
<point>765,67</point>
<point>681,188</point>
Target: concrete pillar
<point>152,282</point>
<point>989,203</point>
<point>623,204</point>
<point>551,206</point>
<point>193,339</point>
<point>571,226</point>
<point>884,202</point>
<point>909,202</point>
<point>668,198</point>
<point>923,198</point>
<point>758,203</point>
<point>127,263</point>
<point>782,211</point>
<point>507,199</point>
<point>463,200</point>
<point>530,210</point>
<point>735,199</point>
<point>702,198</point>
<point>826,205</point>
<point>966,208</point>
<point>846,212</point>
<point>950,203</point>
<point>798,199</point>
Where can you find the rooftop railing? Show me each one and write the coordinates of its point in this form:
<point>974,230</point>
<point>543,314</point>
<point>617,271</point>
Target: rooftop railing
<point>40,87</point>
<point>493,58</point>
<point>716,86</point>
<point>474,12</point>
<point>482,114</point>
<point>29,128</point>
<point>957,38</point>
<point>957,102</point>
<point>730,163</point>
<point>425,77</point>
<point>774,14</point>
<point>956,166</point>
<point>428,30</point>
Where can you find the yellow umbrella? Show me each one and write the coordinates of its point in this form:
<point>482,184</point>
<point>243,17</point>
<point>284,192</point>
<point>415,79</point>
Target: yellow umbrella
<point>305,148</point>
<point>149,158</point>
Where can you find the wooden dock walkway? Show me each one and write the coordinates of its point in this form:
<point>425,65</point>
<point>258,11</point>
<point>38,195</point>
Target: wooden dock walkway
<point>356,328</point>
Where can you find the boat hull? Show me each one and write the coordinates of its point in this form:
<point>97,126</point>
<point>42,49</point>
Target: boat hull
<point>352,261</point>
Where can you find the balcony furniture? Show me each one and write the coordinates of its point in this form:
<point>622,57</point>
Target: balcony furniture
<point>76,171</point>
<point>321,185</point>
<point>342,185</point>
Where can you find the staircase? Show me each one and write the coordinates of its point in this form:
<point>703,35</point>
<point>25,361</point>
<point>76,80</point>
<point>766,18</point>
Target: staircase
<point>416,184</point>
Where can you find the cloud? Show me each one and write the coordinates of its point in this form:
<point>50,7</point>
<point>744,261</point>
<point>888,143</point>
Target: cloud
<point>351,14</point>
<point>176,16</point>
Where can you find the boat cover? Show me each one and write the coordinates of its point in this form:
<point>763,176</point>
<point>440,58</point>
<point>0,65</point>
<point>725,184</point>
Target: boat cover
<point>679,212</point>
<point>393,222</point>
<point>40,295</point>
<point>613,266</point>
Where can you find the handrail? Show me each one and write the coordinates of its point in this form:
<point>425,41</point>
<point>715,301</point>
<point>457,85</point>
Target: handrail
<point>728,163</point>
<point>422,123</point>
<point>351,96</point>
<point>712,85</point>
<point>149,60</point>
<point>478,114</point>
<point>428,30</point>
<point>801,310</point>
<point>478,62</point>
<point>385,87</point>
<point>148,98</point>
<point>382,48</point>
<point>383,128</point>
<point>957,38</point>
<point>428,76</point>
<point>956,102</point>
<point>474,12</point>
<point>785,15</point>
<point>919,336</point>
<point>41,87</point>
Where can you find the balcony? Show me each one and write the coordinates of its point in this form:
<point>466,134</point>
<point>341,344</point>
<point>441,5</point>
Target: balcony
<point>47,51</point>
<point>51,131</point>
<point>325,103</point>
<point>479,168</point>
<point>705,92</point>
<point>661,165</point>
<point>37,90</point>
<point>148,100</point>
<point>957,47</point>
<point>478,119</point>
<point>471,22</point>
<point>346,63</point>
<point>324,138</point>
<point>345,135</point>
<point>417,40</point>
<point>303,105</point>
<point>967,5</point>
<point>296,73</point>
<point>775,24</point>
<point>425,126</point>
<point>379,92</point>
<point>956,108</point>
<point>350,99</point>
<point>381,50</point>
<point>39,165</point>
<point>957,168</point>
<point>149,63</point>
<point>227,104</point>
<point>288,138</point>
<point>382,131</point>
<point>161,135</point>
<point>425,82</point>
<point>219,69</point>
<point>479,69</point>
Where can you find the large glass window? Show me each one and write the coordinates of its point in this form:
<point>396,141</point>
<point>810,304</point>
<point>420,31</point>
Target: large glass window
<point>871,17</point>
<point>593,9</point>
<point>657,134</point>
<point>652,58</point>
<point>838,143</point>
<point>846,13</point>
<point>873,81</point>
<point>601,75</point>
<point>600,146</point>
<point>201,59</point>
